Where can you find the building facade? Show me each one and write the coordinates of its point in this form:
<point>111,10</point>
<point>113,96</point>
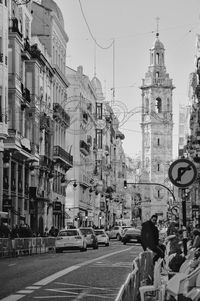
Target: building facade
<point>157,132</point>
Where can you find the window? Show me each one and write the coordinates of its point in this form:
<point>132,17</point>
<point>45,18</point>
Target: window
<point>168,105</point>
<point>147,105</point>
<point>158,105</point>
<point>157,58</point>
<point>99,138</point>
<point>158,167</point>
<point>1,113</point>
<point>157,74</point>
<point>99,110</point>
<point>158,193</point>
<point>158,141</point>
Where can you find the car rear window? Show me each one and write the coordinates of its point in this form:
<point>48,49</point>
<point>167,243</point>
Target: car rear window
<point>69,233</point>
<point>86,231</point>
<point>98,232</point>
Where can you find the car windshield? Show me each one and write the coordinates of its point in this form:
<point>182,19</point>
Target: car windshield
<point>69,233</point>
<point>99,232</point>
<point>86,231</point>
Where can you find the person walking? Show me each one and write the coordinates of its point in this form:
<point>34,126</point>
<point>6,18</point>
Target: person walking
<point>150,238</point>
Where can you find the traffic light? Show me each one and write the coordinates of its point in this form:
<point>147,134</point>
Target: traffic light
<point>125,184</point>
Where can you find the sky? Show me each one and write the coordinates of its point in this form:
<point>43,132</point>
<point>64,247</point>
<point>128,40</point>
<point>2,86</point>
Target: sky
<point>132,25</point>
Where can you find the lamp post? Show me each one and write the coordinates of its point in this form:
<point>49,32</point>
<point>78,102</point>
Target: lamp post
<point>151,183</point>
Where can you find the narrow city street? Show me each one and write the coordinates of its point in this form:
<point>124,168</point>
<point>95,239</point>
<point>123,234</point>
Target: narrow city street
<point>72,275</point>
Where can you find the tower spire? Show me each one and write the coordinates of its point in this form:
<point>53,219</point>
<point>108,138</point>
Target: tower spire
<point>157,26</point>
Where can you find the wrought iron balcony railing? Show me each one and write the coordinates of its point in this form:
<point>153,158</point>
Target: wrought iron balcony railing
<point>61,155</point>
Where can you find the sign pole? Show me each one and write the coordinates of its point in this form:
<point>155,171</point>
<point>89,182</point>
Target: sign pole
<point>184,222</point>
<point>182,173</point>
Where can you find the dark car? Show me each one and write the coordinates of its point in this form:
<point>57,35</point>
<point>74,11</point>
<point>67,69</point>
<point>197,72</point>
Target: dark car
<point>90,236</point>
<point>131,234</point>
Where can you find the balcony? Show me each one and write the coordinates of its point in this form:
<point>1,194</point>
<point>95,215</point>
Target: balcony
<point>26,97</point>
<point>26,52</point>
<point>15,27</point>
<point>84,147</point>
<point>59,114</point>
<point>62,157</point>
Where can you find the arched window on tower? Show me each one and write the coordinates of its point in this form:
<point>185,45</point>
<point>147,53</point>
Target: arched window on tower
<point>157,59</point>
<point>157,75</point>
<point>158,167</point>
<point>158,105</point>
<point>162,59</point>
<point>146,105</point>
<point>168,105</point>
<point>152,59</point>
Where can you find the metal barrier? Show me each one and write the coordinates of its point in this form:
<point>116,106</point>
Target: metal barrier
<point>26,246</point>
<point>142,274</point>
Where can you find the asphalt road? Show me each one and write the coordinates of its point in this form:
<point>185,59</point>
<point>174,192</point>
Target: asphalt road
<point>95,275</point>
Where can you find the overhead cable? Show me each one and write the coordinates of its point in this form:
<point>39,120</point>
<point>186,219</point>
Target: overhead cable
<point>92,36</point>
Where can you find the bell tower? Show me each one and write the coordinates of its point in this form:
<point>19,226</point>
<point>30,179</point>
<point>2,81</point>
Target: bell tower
<point>157,132</point>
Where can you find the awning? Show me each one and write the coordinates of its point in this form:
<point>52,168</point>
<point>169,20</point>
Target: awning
<point>3,214</point>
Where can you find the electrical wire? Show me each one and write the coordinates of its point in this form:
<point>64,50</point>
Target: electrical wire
<point>91,34</point>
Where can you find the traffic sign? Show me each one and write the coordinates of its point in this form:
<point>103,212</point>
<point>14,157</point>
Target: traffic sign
<point>182,173</point>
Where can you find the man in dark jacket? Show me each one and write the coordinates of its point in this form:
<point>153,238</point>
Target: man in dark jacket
<point>150,237</point>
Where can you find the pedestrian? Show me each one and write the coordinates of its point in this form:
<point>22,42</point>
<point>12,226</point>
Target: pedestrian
<point>196,240</point>
<point>150,237</point>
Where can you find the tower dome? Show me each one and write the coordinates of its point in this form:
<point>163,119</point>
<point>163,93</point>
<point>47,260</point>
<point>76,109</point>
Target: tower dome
<point>157,44</point>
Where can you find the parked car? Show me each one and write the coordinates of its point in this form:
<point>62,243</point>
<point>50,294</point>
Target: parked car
<point>102,237</point>
<point>117,231</point>
<point>90,236</point>
<point>70,239</point>
<point>131,234</point>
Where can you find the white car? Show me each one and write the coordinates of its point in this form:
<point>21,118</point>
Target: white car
<point>102,237</point>
<point>70,239</point>
<point>117,232</point>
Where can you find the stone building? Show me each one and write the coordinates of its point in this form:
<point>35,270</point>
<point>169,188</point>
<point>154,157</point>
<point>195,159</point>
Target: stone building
<point>157,132</point>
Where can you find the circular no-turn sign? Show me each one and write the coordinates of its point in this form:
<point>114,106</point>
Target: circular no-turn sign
<point>182,173</point>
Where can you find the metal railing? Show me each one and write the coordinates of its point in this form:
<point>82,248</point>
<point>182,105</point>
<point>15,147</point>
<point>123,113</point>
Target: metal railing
<point>26,246</point>
<point>142,274</point>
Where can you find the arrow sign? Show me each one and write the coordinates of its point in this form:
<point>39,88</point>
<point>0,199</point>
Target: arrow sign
<point>182,173</point>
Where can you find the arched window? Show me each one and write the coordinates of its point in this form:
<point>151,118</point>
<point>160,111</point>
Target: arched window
<point>158,167</point>
<point>158,105</point>
<point>146,105</point>
<point>157,58</point>
<point>157,74</point>
<point>151,58</point>
<point>168,105</point>
<point>158,141</point>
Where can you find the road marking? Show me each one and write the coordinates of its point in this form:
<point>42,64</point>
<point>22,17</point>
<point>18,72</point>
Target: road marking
<point>84,286</point>
<point>13,298</point>
<point>25,291</point>
<point>61,273</point>
<point>32,287</point>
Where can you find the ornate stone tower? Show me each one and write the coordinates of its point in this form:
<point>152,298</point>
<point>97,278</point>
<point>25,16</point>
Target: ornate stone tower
<point>157,127</point>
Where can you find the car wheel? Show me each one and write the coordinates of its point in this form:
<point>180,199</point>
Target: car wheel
<point>124,242</point>
<point>107,244</point>
<point>118,236</point>
<point>59,251</point>
<point>95,247</point>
